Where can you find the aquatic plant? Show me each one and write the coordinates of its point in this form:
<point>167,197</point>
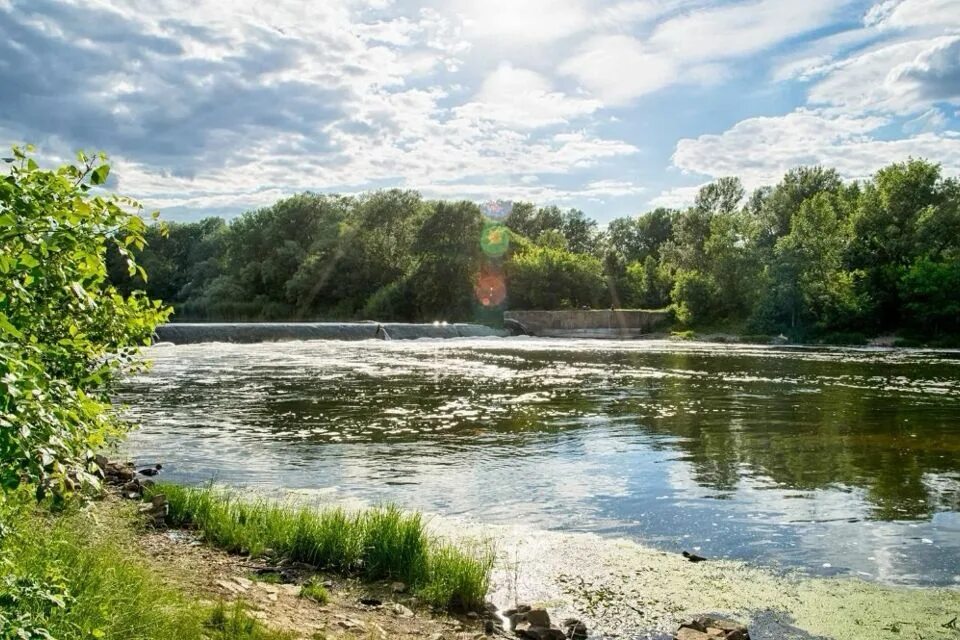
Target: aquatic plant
<point>377,543</point>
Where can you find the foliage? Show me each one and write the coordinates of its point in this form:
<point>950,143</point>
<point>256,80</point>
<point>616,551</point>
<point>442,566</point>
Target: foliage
<point>376,543</point>
<point>694,295</point>
<point>550,278</point>
<point>808,256</point>
<point>65,330</point>
<point>314,590</point>
<point>72,577</point>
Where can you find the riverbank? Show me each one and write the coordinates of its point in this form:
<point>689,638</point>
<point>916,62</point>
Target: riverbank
<point>109,570</point>
<point>118,577</point>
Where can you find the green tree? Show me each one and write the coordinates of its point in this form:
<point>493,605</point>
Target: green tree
<point>449,255</point>
<point>548,278</point>
<point>65,330</point>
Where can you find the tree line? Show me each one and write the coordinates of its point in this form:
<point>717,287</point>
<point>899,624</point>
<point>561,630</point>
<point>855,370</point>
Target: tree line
<point>809,256</point>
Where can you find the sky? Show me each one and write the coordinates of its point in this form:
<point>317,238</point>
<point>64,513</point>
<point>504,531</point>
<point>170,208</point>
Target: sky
<point>611,106</point>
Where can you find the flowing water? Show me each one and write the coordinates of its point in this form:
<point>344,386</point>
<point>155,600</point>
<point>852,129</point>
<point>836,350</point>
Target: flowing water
<point>833,461</point>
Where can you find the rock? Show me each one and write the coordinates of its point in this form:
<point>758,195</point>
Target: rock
<point>401,611</point>
<point>538,618</point>
<point>521,627</point>
<point>398,587</point>
<point>371,602</point>
<point>489,627</point>
<point>692,557</point>
<point>352,625</point>
<point>710,628</point>
<point>576,630</point>
<point>149,471</point>
<point>536,632</point>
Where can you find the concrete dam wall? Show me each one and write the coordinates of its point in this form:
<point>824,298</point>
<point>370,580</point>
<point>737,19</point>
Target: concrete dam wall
<point>593,323</point>
<point>189,333</point>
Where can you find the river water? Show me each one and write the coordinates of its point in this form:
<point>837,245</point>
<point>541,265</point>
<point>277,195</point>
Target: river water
<point>833,461</point>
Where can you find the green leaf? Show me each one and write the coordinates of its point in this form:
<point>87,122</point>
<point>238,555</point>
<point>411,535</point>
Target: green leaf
<point>99,175</point>
<point>29,261</point>
<point>7,326</point>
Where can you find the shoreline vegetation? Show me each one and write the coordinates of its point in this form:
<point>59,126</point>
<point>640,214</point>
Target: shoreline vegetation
<point>813,258</point>
<point>378,543</point>
<point>86,572</point>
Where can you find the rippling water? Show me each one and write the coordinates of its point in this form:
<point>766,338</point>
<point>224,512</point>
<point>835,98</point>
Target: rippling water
<point>833,460</point>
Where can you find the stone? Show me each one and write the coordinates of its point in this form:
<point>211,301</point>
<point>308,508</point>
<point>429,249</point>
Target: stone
<point>401,611</point>
<point>538,618</point>
<point>371,601</point>
<point>692,557</point>
<point>576,631</point>
<point>536,632</point>
<point>489,627</point>
<point>149,471</point>
<point>713,628</point>
<point>521,627</point>
<point>398,587</point>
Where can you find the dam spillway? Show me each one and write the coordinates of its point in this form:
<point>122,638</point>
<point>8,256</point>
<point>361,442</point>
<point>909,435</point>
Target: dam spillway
<point>197,332</point>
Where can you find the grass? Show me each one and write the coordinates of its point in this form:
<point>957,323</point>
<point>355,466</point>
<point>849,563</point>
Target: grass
<point>313,590</point>
<point>69,577</point>
<point>376,544</point>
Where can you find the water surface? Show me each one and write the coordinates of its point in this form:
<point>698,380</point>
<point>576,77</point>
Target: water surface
<point>835,461</point>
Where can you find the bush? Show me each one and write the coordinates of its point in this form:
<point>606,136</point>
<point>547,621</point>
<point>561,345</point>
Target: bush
<point>550,278</point>
<point>694,297</point>
<point>65,331</point>
<point>71,578</point>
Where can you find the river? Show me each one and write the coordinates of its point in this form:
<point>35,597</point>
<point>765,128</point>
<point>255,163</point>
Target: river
<point>829,461</point>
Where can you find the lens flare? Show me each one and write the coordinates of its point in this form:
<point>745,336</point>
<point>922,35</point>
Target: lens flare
<point>491,290</point>
<point>495,239</point>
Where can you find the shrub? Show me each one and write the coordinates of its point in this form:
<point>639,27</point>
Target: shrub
<point>65,331</point>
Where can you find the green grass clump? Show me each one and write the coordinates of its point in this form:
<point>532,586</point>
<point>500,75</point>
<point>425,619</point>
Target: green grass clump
<point>312,589</point>
<point>69,577</point>
<point>378,543</point>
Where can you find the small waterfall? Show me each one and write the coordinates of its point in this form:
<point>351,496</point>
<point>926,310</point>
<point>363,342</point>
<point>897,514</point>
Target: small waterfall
<point>382,333</point>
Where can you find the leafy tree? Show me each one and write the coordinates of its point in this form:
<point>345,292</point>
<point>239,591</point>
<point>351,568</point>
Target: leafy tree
<point>930,293</point>
<point>65,330</point>
<point>448,249</point>
<point>814,251</point>
<point>548,278</point>
<point>648,285</point>
<point>694,296</point>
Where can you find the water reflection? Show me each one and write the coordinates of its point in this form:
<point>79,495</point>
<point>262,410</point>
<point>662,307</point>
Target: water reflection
<point>833,460</point>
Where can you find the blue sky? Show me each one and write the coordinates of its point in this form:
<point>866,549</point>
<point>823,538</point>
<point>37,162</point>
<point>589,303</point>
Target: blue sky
<point>613,106</point>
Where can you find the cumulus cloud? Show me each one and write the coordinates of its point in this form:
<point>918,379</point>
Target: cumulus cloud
<point>691,47</point>
<point>524,99</point>
<point>760,150</point>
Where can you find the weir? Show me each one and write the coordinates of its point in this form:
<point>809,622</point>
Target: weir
<point>190,333</point>
<point>586,323</point>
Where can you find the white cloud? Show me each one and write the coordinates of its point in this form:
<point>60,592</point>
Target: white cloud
<point>901,78</point>
<point>620,68</point>
<point>761,150</point>
<point>523,99</point>
<point>903,14</point>
<point>931,120</point>
<point>693,47</point>
<point>676,198</point>
<point>730,31</point>
<point>529,21</point>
